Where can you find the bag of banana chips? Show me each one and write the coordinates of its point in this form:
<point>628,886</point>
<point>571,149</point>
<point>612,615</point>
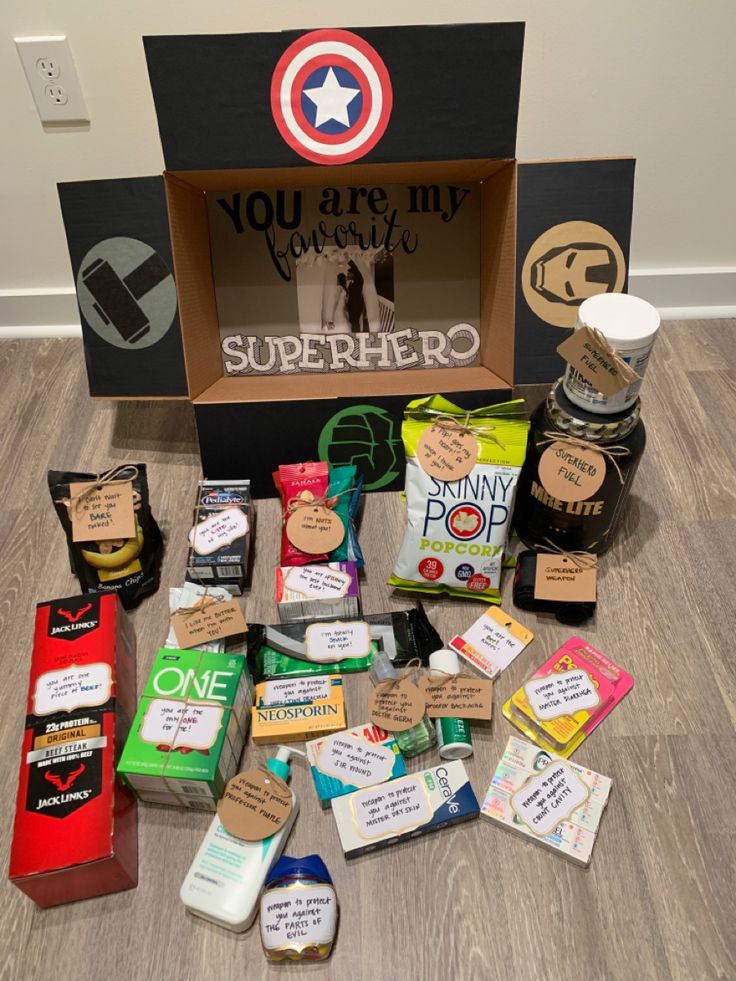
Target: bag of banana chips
<point>128,566</point>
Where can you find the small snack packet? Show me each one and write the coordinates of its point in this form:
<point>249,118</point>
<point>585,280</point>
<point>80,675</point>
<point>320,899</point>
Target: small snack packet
<point>300,482</point>
<point>126,566</point>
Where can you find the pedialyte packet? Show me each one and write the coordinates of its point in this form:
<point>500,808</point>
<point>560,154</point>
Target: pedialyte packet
<point>457,529</point>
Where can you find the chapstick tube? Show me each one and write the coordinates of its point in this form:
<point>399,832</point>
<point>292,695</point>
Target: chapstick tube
<point>630,326</point>
<point>453,735</point>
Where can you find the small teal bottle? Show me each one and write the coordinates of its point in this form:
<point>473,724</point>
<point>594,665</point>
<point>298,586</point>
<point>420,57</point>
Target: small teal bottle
<point>421,736</point>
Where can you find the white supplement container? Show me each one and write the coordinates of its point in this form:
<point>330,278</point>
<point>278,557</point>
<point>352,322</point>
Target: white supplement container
<point>630,325</point>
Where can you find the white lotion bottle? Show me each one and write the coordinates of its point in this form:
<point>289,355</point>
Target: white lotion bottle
<point>224,882</point>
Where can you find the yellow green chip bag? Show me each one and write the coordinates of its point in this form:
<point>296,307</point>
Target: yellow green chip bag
<point>457,529</point>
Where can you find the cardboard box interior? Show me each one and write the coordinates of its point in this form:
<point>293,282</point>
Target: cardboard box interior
<point>190,241</point>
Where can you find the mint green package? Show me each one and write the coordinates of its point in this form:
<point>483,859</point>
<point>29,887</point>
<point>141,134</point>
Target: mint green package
<point>341,483</point>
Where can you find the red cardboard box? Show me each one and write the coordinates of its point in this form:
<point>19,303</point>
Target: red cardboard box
<point>76,830</point>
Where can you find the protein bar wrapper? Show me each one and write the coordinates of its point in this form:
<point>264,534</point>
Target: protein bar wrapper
<point>457,530</point>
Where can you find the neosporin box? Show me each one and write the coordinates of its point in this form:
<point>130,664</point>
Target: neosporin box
<point>331,264</point>
<point>188,733</point>
<point>289,710</point>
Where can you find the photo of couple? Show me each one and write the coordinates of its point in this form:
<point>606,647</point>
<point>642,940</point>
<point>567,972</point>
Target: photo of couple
<point>346,291</point>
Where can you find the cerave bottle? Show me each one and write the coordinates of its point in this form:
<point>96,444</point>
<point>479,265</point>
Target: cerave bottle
<point>225,879</point>
<point>572,494</point>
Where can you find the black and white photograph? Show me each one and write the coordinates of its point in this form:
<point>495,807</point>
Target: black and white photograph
<point>346,291</point>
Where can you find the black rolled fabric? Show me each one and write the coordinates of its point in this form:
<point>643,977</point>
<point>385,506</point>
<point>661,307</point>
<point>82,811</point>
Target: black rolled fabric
<point>571,614</point>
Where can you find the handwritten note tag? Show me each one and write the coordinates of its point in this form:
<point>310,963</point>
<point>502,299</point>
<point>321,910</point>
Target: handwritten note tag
<point>327,643</point>
<point>315,530</point>
<point>560,577</point>
<point>181,725</point>
<point>549,797</point>
<point>298,917</point>
<point>391,808</point>
<point>604,373</point>
<point>287,691</point>
<point>218,530</point>
<point>254,806</point>
<point>457,698</point>
<point>562,694</point>
<point>102,514</point>
<point>214,621</point>
<point>396,705</point>
<point>71,688</point>
<point>317,581</point>
<point>571,473</point>
<point>354,760</point>
<point>446,453</point>
<point>492,642</point>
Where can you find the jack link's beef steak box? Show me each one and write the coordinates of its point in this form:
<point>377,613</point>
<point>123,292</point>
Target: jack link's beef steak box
<point>76,832</point>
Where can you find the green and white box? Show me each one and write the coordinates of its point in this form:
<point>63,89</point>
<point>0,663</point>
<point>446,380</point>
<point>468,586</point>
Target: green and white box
<point>188,733</point>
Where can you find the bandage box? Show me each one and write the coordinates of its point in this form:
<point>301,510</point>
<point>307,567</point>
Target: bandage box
<point>289,710</point>
<point>351,760</point>
<point>317,592</point>
<point>574,835</point>
<point>188,733</point>
<point>75,833</point>
<point>406,808</point>
<point>219,540</point>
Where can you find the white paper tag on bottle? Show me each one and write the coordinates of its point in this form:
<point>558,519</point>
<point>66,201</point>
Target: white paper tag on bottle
<point>298,916</point>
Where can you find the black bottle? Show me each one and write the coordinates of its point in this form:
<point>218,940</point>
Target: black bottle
<point>589,524</point>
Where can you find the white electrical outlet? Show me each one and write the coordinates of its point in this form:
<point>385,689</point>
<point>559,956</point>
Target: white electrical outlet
<point>52,79</point>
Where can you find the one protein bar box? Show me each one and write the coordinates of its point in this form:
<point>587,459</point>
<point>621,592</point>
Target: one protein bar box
<point>76,833</point>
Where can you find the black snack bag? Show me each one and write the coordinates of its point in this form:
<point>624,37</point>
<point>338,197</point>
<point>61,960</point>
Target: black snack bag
<point>277,651</point>
<point>129,567</point>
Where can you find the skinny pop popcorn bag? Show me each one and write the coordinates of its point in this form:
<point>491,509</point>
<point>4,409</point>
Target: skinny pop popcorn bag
<point>461,474</point>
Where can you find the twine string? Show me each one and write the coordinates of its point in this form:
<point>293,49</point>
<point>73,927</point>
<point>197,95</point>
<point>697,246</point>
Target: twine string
<point>204,601</point>
<point>281,786</point>
<point>452,424</point>
<point>112,476</point>
<point>610,452</point>
<point>328,502</point>
<point>584,560</point>
<point>625,370</point>
<point>441,677</point>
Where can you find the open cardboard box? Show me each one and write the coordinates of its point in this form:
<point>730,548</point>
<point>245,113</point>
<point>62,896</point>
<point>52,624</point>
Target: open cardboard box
<point>342,416</point>
<point>190,244</point>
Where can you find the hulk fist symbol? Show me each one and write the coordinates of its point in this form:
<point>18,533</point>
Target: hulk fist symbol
<point>367,437</point>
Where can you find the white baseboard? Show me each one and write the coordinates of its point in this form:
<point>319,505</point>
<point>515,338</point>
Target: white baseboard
<point>39,312</point>
<point>699,293</point>
<point>679,294</point>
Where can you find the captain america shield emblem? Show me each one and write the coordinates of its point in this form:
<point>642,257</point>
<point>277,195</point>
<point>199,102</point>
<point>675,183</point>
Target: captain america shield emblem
<point>331,97</point>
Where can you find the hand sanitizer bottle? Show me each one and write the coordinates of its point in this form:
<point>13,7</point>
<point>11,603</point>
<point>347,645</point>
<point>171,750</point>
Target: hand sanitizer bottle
<point>411,741</point>
<point>225,879</point>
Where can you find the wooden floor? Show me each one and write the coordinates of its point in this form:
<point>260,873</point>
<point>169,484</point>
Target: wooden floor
<point>475,902</point>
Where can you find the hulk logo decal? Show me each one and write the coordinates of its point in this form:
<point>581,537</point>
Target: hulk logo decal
<point>368,437</point>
